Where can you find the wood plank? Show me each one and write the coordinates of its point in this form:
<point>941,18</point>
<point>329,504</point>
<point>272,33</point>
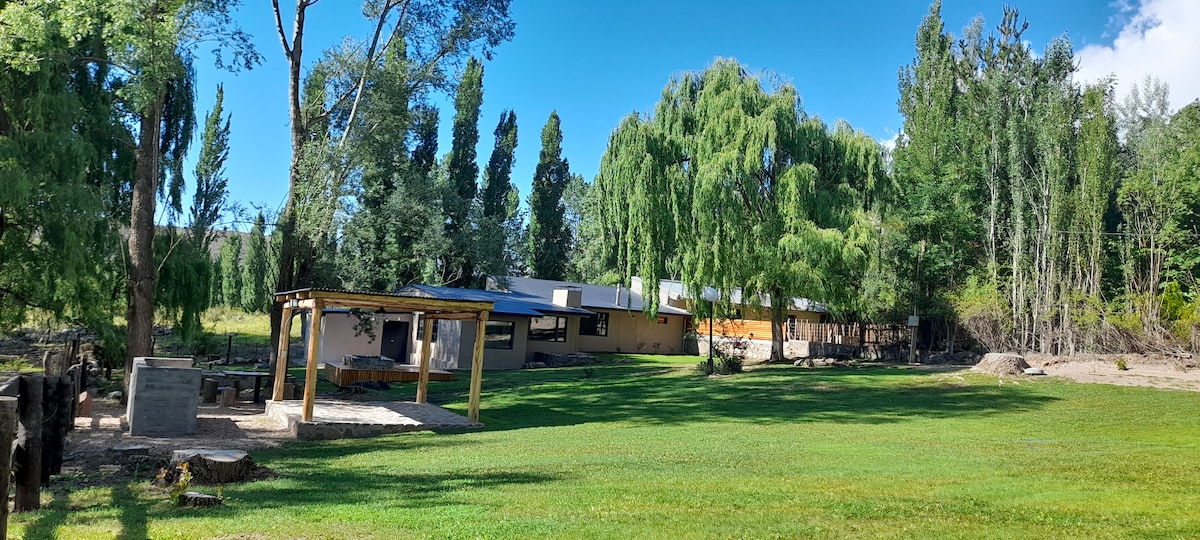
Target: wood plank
<point>423,380</point>
<point>477,369</point>
<point>354,299</point>
<point>281,356</point>
<point>310,371</point>
<point>345,376</point>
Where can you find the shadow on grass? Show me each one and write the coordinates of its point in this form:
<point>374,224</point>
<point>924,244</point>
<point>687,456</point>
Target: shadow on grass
<point>49,518</point>
<point>133,513</point>
<point>633,393</point>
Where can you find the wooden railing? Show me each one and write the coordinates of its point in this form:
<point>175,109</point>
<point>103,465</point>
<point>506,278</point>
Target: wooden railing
<point>839,333</point>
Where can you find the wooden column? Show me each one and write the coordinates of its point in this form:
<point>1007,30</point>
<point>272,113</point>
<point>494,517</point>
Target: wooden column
<point>281,358</point>
<point>477,368</point>
<point>310,371</point>
<point>423,381</point>
<point>8,428</point>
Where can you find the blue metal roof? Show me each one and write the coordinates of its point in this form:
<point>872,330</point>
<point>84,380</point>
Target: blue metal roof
<point>504,303</point>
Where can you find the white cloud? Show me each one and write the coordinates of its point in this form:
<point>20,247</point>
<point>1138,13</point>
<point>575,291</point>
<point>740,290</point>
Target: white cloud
<point>1161,38</point>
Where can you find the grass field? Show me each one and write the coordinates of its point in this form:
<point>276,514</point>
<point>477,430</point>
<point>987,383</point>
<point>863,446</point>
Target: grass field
<point>650,449</point>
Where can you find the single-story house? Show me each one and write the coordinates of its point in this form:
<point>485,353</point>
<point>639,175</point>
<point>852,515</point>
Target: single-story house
<point>745,317</point>
<point>616,323</point>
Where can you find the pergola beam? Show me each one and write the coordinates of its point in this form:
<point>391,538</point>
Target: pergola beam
<point>423,380</point>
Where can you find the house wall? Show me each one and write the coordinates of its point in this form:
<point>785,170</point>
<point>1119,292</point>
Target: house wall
<point>571,345</point>
<point>338,337</point>
<point>632,332</point>
<point>494,359</point>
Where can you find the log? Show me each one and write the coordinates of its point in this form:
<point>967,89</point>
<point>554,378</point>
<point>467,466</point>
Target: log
<point>8,428</point>
<point>191,498</point>
<point>27,459</point>
<point>215,466</point>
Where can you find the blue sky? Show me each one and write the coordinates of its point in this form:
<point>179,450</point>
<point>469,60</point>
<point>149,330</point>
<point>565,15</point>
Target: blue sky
<point>595,62</point>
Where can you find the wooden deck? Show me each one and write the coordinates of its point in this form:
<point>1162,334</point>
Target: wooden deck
<point>342,375</point>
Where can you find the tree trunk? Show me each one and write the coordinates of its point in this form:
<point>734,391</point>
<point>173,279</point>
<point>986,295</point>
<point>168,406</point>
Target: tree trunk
<point>287,220</point>
<point>215,466</point>
<point>140,287</point>
<point>778,313</point>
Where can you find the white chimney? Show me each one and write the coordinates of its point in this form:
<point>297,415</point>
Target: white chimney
<point>568,296</point>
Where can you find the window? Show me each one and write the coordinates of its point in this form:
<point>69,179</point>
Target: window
<point>498,335</point>
<point>662,320</point>
<point>596,325</point>
<point>421,330</point>
<point>548,329</point>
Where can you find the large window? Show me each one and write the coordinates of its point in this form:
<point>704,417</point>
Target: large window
<point>596,325</point>
<point>421,330</point>
<point>548,329</point>
<point>498,335</point>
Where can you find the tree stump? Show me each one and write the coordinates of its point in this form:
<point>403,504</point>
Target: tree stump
<point>208,389</point>
<point>215,466</point>
<point>228,396</point>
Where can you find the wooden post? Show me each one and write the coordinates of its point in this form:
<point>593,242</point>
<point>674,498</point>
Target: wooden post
<point>477,368</point>
<point>56,445</point>
<point>27,460</point>
<point>8,428</point>
<point>423,380</point>
<point>310,371</point>
<point>281,359</point>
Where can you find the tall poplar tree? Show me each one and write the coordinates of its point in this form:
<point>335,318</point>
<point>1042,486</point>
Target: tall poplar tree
<point>231,271</point>
<point>462,173</point>
<point>498,201</point>
<point>549,239</point>
<point>255,296</point>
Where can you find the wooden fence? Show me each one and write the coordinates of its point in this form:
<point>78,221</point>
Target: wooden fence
<point>45,410</point>
<point>837,333</point>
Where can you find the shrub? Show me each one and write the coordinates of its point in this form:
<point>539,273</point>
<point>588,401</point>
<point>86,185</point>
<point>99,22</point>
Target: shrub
<point>1121,364</point>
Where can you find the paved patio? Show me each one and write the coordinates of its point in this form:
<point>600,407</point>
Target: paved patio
<point>335,419</point>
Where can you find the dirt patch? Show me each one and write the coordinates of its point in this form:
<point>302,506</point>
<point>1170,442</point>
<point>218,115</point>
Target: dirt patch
<point>1158,371</point>
<point>100,450</point>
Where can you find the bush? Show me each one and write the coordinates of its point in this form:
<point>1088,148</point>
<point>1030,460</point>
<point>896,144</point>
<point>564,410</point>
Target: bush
<point>728,364</point>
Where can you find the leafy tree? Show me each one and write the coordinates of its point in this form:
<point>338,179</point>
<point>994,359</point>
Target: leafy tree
<point>211,185</point>
<point>499,221</point>
<point>387,238</point>
<point>732,186</point>
<point>549,238</point>
<point>458,194</point>
<point>255,296</point>
<point>65,155</point>
<point>436,35</point>
<point>231,274</point>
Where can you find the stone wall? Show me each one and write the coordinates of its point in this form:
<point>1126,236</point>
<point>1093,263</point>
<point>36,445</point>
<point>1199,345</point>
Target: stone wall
<point>163,398</point>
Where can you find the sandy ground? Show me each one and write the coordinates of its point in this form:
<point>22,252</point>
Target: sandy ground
<point>101,452</point>
<point>1142,370</point>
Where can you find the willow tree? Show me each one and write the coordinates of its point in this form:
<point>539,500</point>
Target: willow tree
<point>732,186</point>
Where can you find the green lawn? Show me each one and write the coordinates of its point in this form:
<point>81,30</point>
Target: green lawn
<point>650,449</point>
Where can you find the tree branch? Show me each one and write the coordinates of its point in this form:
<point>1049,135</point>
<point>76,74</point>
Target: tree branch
<point>279,27</point>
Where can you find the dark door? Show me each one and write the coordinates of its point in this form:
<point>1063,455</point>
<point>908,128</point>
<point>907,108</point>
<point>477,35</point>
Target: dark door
<point>395,341</point>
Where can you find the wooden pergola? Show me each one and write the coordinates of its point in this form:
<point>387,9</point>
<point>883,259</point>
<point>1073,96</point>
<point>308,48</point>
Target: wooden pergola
<point>317,300</point>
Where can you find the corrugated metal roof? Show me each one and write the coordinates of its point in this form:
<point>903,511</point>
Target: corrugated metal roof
<point>594,296</point>
<point>505,303</point>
